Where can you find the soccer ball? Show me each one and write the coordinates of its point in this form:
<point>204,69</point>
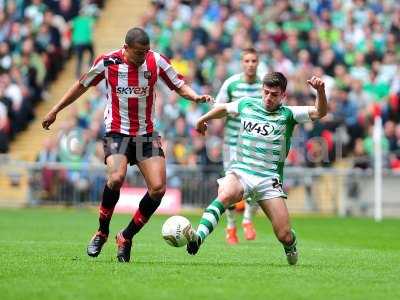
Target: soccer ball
<point>176,231</point>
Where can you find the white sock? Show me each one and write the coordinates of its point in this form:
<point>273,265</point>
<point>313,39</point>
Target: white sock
<point>249,211</point>
<point>230,218</point>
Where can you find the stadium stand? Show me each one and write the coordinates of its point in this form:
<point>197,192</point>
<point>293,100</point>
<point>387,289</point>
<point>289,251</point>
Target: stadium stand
<point>35,42</point>
<point>360,67</point>
<point>298,38</point>
<point>353,45</point>
<point>14,181</point>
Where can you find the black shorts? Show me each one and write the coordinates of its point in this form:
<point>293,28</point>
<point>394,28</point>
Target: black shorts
<point>135,148</point>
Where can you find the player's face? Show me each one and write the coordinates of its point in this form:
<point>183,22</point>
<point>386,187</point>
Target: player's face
<point>136,53</point>
<point>272,97</point>
<point>249,64</point>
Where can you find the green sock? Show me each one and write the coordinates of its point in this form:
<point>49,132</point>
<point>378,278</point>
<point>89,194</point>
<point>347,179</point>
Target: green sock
<point>210,219</point>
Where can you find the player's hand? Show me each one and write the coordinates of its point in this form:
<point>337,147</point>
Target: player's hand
<point>205,98</point>
<point>48,120</point>
<point>201,127</point>
<point>317,83</point>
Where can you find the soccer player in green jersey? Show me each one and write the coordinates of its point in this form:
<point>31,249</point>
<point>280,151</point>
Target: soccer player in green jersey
<point>245,84</point>
<point>257,170</point>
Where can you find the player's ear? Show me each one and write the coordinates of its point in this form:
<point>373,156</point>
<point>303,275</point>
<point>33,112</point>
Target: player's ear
<point>284,96</point>
<point>125,46</point>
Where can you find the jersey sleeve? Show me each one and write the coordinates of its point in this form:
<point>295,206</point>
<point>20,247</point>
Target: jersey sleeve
<point>223,96</point>
<point>232,107</point>
<point>95,73</point>
<point>172,79</point>
<point>301,113</point>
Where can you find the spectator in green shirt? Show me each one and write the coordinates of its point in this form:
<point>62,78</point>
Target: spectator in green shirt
<point>82,39</point>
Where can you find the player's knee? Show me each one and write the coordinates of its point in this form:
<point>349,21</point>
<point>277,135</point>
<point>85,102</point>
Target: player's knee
<point>284,235</point>
<point>225,197</point>
<point>157,191</point>
<point>115,181</point>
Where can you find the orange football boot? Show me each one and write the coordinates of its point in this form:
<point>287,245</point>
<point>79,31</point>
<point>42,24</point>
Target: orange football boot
<point>249,231</point>
<point>231,236</point>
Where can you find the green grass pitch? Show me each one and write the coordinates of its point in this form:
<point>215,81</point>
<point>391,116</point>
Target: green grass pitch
<point>43,256</point>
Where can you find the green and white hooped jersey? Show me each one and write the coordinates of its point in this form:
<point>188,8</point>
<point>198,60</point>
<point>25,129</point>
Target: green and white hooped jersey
<point>234,88</point>
<point>264,137</point>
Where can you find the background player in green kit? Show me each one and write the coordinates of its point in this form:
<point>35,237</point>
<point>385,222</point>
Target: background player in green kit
<point>264,141</point>
<point>246,84</point>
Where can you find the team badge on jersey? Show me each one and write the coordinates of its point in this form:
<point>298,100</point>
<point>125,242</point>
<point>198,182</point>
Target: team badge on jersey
<point>147,74</point>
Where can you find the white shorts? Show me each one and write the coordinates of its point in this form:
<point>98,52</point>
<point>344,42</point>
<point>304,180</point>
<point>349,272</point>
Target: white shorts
<point>257,188</point>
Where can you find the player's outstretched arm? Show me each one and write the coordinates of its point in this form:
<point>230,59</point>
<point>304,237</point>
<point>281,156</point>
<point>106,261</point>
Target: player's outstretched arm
<point>321,106</point>
<point>219,111</point>
<point>187,92</point>
<point>69,97</point>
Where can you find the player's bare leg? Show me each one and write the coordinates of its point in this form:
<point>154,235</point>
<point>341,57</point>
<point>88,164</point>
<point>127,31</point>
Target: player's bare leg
<point>230,191</point>
<point>153,170</point>
<point>116,171</point>
<point>278,214</point>
<point>247,223</point>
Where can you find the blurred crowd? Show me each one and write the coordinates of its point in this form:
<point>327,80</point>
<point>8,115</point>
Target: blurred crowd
<point>36,38</point>
<point>353,45</point>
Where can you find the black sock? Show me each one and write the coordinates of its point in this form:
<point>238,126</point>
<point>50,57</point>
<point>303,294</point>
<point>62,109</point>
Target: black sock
<point>147,207</point>
<point>110,199</point>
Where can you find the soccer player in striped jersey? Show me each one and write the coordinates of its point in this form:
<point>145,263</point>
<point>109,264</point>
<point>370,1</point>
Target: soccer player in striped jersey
<point>257,170</point>
<point>246,84</point>
<point>131,74</point>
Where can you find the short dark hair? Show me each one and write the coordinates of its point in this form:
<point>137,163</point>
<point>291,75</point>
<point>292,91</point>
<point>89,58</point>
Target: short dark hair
<point>275,79</point>
<point>249,50</point>
<point>136,35</point>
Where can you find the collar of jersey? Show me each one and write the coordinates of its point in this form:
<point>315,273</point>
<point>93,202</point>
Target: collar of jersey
<point>274,111</point>
<point>243,79</point>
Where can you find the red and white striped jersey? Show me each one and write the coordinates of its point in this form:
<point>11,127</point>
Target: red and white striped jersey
<point>130,89</point>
